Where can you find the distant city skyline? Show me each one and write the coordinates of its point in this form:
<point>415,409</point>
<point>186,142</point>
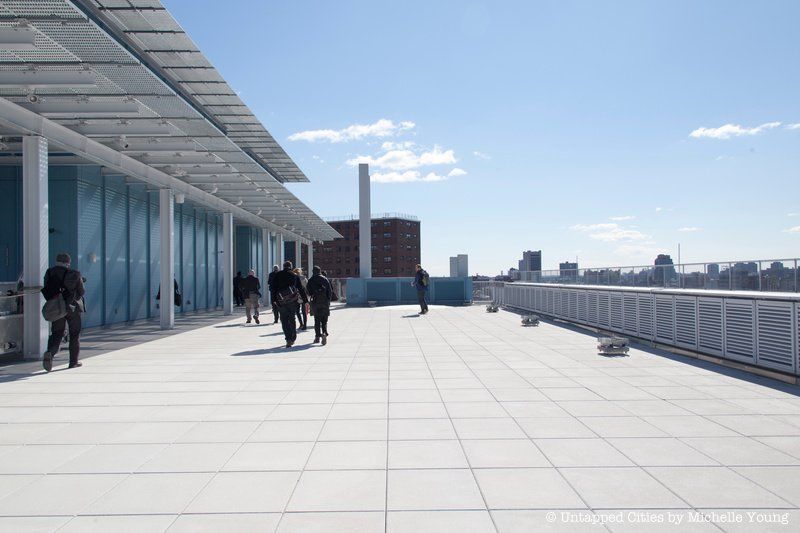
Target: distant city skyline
<point>607,132</point>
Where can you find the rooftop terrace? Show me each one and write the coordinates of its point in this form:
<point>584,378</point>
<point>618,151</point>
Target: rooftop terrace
<point>454,421</point>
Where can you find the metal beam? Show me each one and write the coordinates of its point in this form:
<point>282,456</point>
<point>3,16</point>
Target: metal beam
<point>29,123</point>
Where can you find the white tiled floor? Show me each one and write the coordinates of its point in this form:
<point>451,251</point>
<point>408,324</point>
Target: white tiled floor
<point>454,421</point>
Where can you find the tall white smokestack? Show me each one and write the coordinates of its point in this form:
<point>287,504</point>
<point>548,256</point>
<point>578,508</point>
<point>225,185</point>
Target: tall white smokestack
<point>364,222</point>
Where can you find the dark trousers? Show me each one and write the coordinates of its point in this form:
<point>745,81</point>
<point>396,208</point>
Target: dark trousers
<point>423,303</point>
<point>275,312</point>
<point>57,328</point>
<point>320,323</point>
<point>238,299</point>
<point>302,316</point>
<point>287,313</point>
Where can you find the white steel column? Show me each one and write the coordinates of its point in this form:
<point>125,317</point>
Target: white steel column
<point>310,257</point>
<point>364,223</point>
<point>298,253</point>
<point>227,263</point>
<point>35,243</point>
<point>166,217</point>
<point>279,249</point>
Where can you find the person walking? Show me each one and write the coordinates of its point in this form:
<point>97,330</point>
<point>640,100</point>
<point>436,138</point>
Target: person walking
<point>238,298</point>
<point>270,282</point>
<point>421,281</point>
<point>287,292</point>
<point>302,312</point>
<point>320,293</point>
<point>251,292</point>
<point>62,279</point>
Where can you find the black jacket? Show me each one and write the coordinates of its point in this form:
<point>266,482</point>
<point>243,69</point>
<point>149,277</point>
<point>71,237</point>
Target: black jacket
<point>319,288</point>
<point>72,282</point>
<point>286,278</point>
<point>271,279</point>
<point>249,285</point>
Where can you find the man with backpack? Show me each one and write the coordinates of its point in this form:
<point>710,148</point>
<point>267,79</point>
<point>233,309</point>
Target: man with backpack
<point>251,292</point>
<point>421,281</point>
<point>287,292</point>
<point>60,281</point>
<point>321,294</point>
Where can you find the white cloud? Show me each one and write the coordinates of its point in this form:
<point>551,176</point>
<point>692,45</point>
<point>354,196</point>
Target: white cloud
<point>621,218</point>
<point>610,232</point>
<point>793,126</point>
<point>481,155</point>
<point>456,172</point>
<point>404,145</point>
<point>659,209</point>
<point>794,229</point>
<point>406,177</point>
<point>689,229</point>
<point>731,130</point>
<point>407,159</point>
<point>793,214</point>
<point>382,128</point>
<point>317,158</point>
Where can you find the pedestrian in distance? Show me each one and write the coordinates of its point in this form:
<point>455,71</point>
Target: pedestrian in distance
<point>270,281</point>
<point>238,298</point>
<point>302,312</point>
<point>62,282</point>
<point>177,297</point>
<point>421,282</point>
<point>320,294</point>
<point>288,293</point>
<point>251,292</point>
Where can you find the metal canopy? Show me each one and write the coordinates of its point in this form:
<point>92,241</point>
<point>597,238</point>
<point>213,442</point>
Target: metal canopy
<point>125,74</point>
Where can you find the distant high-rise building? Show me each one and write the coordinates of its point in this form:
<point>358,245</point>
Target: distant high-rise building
<point>664,271</point>
<point>459,267</point>
<point>568,270</point>
<point>712,270</point>
<point>531,261</point>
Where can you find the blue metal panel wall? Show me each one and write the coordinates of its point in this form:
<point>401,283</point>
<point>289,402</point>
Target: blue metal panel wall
<point>242,247</point>
<point>189,282</point>
<point>178,248</point>
<point>154,260</point>
<point>202,260</point>
<point>90,245</point>
<point>116,250</point>
<point>138,265</point>
<point>220,273</point>
<point>10,223</point>
<point>63,202</point>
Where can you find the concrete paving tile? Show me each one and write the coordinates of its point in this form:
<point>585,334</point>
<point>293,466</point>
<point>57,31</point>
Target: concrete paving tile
<point>715,487</point>
<point>212,523</point>
<point>620,488</point>
<point>340,490</point>
<point>581,452</point>
<point>245,492</point>
<point>433,490</point>
<point>531,488</point>
<point>439,522</point>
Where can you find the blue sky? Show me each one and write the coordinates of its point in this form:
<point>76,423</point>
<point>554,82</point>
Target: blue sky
<point>610,131</point>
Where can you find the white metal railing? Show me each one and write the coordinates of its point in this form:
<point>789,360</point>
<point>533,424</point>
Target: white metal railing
<point>762,329</point>
<point>769,275</point>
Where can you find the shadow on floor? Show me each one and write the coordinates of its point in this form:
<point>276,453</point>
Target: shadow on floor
<point>276,350</point>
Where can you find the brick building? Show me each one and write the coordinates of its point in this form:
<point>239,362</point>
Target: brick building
<point>395,247</point>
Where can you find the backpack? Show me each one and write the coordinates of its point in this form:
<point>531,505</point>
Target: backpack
<point>55,306</point>
<point>426,279</point>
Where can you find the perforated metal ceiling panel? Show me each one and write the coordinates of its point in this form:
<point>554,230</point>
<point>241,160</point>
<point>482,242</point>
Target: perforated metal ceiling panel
<point>137,52</point>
